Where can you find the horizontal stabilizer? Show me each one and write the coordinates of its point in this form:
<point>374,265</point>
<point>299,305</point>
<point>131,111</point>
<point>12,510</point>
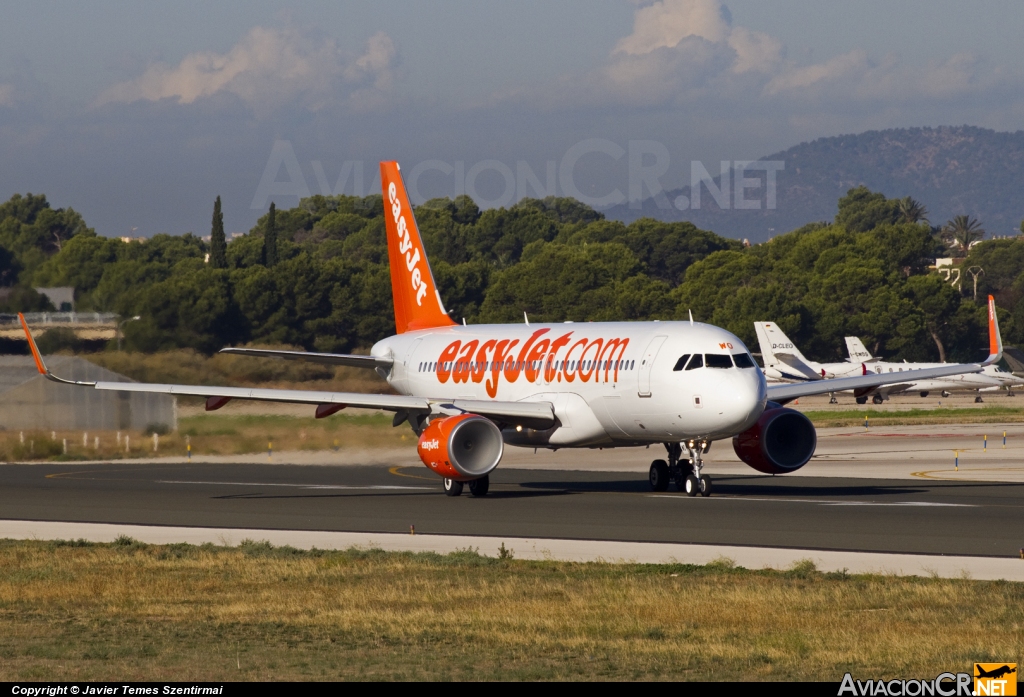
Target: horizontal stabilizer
<point>791,361</point>
<point>1014,359</point>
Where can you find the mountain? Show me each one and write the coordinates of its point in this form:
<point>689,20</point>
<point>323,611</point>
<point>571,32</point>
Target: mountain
<point>951,170</point>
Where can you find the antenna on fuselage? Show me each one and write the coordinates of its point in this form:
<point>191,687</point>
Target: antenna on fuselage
<point>691,317</point>
<point>526,319</point>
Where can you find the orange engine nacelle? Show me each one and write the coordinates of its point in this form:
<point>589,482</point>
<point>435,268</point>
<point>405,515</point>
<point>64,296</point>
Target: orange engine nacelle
<point>463,447</point>
<point>781,441</point>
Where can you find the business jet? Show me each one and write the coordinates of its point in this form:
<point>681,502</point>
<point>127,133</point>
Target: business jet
<point>784,361</point>
<point>468,391</point>
<point>995,377</point>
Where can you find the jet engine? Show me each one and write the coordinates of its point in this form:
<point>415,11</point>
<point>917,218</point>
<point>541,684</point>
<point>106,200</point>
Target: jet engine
<point>781,441</point>
<point>463,447</point>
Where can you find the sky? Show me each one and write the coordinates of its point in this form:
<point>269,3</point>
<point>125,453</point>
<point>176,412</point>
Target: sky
<point>139,114</point>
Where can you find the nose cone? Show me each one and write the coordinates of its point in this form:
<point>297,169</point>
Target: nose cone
<point>738,401</point>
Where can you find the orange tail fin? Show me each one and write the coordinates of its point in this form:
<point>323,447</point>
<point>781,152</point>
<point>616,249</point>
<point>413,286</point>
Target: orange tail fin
<point>417,302</point>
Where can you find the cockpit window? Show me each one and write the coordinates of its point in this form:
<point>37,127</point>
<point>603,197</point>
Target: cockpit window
<point>743,360</point>
<point>681,362</point>
<point>718,360</point>
<point>696,362</point>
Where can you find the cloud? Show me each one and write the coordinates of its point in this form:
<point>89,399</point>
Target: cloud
<point>667,22</point>
<point>267,69</point>
<point>684,52</point>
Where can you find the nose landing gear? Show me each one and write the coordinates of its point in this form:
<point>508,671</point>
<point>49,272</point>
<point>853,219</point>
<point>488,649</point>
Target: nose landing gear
<point>688,476</point>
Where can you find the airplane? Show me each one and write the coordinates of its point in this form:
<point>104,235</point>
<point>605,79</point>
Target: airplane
<point>783,361</point>
<point>1003,378</point>
<point>995,672</point>
<point>467,391</point>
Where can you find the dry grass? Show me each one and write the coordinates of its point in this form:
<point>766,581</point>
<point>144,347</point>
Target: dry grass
<point>911,417</point>
<point>137,612</point>
<point>211,434</point>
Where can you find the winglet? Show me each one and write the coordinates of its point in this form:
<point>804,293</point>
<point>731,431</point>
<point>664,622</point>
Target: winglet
<point>38,358</point>
<point>40,366</point>
<point>995,337</point>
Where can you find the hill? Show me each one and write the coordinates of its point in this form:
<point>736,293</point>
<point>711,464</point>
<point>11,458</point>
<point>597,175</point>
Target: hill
<point>951,170</point>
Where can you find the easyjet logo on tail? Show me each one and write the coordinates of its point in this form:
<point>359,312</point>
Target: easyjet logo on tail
<point>417,302</point>
<point>586,360</point>
<point>412,256</point>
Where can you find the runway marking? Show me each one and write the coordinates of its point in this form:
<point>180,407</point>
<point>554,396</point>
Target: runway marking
<point>302,486</point>
<point>394,471</point>
<point>824,502</point>
<point>931,474</point>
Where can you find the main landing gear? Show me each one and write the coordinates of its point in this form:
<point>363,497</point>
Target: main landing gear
<point>687,476</point>
<point>477,487</point>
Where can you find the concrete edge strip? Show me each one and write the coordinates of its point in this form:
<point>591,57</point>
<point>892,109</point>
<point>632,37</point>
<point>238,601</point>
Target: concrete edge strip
<point>978,568</point>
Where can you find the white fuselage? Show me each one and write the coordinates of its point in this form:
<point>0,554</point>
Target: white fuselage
<point>611,383</point>
<point>955,383</point>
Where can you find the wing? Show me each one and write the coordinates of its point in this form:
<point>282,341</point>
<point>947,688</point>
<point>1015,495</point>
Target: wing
<point>327,358</point>
<point>787,393</point>
<point>528,414</point>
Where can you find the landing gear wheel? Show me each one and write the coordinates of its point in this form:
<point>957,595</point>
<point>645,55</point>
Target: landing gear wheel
<point>833,400</point>
<point>978,400</point>
<point>705,485</point>
<point>924,394</point>
<point>862,400</point>
<point>452,487</point>
<point>479,487</point>
<point>691,485</point>
<point>945,394</point>
<point>659,475</point>
<point>877,399</point>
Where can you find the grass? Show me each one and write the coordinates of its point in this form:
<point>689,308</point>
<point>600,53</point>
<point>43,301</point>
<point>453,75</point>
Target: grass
<point>131,611</point>
<point>210,434</point>
<point>910,417</point>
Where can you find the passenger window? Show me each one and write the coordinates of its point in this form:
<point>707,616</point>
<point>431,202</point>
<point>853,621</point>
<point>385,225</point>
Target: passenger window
<point>696,362</point>
<point>718,360</point>
<point>681,362</point>
<point>743,360</point>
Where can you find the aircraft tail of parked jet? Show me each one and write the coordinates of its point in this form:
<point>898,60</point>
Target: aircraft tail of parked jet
<point>782,355</point>
<point>858,353</point>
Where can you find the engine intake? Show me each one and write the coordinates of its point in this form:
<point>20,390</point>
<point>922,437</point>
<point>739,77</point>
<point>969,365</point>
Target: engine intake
<point>463,447</point>
<point>783,440</point>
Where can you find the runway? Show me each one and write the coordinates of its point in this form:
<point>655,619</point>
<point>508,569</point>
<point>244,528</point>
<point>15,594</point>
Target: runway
<point>913,516</point>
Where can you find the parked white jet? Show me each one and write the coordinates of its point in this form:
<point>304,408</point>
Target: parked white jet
<point>1000,378</point>
<point>467,391</point>
<point>784,362</point>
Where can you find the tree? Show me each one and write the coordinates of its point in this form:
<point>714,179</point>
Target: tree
<point>862,210</point>
<point>911,211</point>
<point>962,231</point>
<point>270,238</point>
<point>218,244</point>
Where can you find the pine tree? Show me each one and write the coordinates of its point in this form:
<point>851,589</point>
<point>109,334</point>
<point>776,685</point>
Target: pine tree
<point>218,244</point>
<point>270,238</point>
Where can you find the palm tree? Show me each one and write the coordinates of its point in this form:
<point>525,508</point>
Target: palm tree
<point>911,211</point>
<point>962,231</point>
